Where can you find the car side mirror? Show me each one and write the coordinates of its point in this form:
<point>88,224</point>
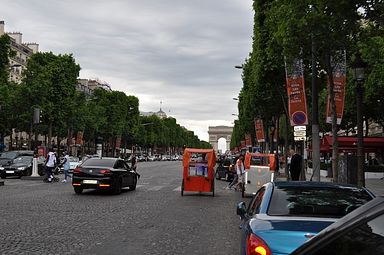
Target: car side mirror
<point>241,210</point>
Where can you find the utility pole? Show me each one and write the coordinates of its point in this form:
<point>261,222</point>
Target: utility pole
<point>315,117</point>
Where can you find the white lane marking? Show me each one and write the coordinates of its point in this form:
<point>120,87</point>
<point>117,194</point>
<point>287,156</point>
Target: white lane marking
<point>156,188</point>
<point>177,189</point>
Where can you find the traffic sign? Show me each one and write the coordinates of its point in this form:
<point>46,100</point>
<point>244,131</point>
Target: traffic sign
<point>299,133</point>
<point>299,128</point>
<point>299,138</point>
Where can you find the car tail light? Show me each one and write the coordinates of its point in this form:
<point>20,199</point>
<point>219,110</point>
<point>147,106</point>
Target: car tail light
<point>77,170</point>
<point>257,246</point>
<point>105,171</point>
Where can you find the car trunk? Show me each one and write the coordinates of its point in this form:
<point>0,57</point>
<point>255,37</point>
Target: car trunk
<point>285,236</point>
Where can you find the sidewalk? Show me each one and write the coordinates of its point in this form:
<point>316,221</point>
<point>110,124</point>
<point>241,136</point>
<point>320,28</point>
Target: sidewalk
<point>374,185</point>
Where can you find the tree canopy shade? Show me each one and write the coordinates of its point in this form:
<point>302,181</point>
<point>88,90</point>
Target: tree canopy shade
<point>286,29</point>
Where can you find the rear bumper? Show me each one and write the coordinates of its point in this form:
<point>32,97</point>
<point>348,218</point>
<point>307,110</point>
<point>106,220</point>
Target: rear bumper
<point>92,182</point>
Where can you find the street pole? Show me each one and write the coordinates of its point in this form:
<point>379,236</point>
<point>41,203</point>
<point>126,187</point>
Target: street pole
<point>315,119</point>
<point>360,141</point>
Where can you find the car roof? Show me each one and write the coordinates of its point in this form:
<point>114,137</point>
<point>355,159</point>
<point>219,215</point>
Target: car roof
<point>283,184</point>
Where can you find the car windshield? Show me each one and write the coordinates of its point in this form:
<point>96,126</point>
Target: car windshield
<point>99,162</point>
<point>23,160</point>
<point>332,202</point>
<point>8,154</point>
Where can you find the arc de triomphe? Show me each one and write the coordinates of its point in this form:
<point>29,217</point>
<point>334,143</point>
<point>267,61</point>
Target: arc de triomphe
<point>215,133</point>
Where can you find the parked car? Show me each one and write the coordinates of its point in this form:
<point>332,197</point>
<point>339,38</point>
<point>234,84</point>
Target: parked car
<point>7,156</point>
<point>73,163</point>
<point>360,232</point>
<point>283,215</point>
<point>20,166</point>
<point>104,173</point>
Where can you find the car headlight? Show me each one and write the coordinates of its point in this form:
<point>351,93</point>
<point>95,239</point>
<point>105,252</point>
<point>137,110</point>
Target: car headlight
<point>21,168</point>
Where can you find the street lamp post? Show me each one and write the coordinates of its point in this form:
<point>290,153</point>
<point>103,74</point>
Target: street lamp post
<point>358,69</point>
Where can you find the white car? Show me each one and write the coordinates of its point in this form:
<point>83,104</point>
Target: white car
<point>73,163</point>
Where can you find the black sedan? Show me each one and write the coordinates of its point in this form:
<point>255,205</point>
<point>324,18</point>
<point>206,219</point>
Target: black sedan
<point>104,173</point>
<point>283,215</point>
<point>20,166</point>
<point>360,232</point>
<point>226,169</point>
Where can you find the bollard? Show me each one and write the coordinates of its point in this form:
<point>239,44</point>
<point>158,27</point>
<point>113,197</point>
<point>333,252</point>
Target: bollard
<point>34,168</point>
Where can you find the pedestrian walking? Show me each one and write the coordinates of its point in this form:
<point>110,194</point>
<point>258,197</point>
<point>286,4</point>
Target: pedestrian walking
<point>66,167</point>
<point>295,166</point>
<point>134,165</point>
<point>50,164</point>
<point>239,177</point>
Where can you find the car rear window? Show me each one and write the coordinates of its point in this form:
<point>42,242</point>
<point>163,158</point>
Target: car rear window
<point>316,201</point>
<point>97,162</point>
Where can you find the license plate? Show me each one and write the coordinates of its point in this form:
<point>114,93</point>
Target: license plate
<point>90,181</point>
<point>10,172</point>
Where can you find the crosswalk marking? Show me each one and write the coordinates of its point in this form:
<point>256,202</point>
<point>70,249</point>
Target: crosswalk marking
<point>156,188</point>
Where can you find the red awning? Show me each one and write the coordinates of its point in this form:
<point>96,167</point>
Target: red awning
<point>349,144</point>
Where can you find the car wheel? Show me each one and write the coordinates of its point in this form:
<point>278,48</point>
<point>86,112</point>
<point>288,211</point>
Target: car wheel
<point>133,186</point>
<point>117,187</point>
<point>78,190</point>
<point>3,177</point>
<point>213,188</point>
<point>182,188</point>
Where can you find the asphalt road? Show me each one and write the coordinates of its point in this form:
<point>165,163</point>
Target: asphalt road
<point>44,218</point>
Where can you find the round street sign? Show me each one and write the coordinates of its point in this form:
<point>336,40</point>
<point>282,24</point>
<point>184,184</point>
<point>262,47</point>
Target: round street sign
<point>299,118</point>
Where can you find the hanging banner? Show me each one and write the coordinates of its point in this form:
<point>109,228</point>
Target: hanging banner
<point>259,128</point>
<point>248,140</point>
<point>79,138</point>
<point>297,104</point>
<point>339,67</point>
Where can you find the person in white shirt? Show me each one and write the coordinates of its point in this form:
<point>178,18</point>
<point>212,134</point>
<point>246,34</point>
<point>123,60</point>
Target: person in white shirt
<point>50,164</point>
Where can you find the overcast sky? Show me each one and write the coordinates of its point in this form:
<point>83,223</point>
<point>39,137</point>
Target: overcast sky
<point>180,52</point>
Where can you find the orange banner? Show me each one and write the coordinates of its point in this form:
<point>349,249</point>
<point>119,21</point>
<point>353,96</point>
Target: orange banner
<point>339,80</point>
<point>259,128</point>
<point>297,104</point>
<point>79,138</point>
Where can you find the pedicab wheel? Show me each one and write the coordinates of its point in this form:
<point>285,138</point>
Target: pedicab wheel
<point>182,188</point>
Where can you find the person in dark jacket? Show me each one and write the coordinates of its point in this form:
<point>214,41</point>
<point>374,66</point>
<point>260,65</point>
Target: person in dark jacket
<point>295,166</point>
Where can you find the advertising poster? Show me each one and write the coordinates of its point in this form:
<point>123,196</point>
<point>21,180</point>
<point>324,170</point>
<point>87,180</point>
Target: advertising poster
<point>297,104</point>
<point>259,128</point>
<point>338,63</point>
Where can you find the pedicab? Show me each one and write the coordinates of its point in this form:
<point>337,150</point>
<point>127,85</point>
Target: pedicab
<point>198,170</point>
<point>259,169</point>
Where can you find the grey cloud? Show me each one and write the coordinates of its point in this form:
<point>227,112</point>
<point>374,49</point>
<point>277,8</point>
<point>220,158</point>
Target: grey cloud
<point>181,52</point>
